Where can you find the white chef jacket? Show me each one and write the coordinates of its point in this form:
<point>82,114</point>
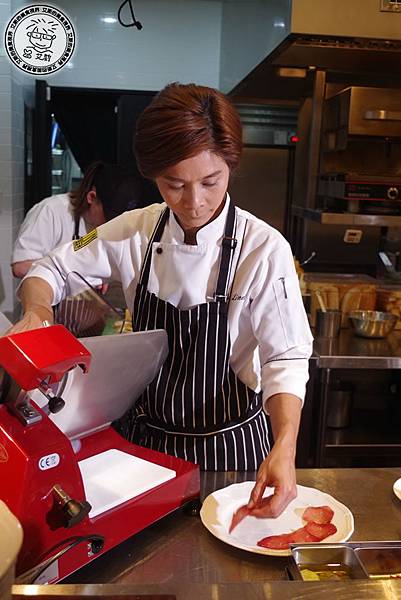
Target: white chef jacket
<point>46,225</point>
<point>270,336</point>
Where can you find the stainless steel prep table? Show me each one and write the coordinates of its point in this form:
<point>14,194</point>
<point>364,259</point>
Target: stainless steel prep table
<point>348,351</point>
<point>179,556</point>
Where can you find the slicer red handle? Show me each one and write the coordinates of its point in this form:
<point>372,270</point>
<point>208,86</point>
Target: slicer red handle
<point>44,354</point>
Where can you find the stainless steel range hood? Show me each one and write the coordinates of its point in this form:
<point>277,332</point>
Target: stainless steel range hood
<point>359,36</point>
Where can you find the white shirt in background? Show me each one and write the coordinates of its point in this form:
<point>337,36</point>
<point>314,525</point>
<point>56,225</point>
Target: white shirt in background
<point>46,225</point>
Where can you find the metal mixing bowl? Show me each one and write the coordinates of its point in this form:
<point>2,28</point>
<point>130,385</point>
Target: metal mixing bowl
<point>372,323</point>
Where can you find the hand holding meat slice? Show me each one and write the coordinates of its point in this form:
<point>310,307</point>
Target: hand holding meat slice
<point>244,511</point>
<point>238,516</point>
<point>276,471</point>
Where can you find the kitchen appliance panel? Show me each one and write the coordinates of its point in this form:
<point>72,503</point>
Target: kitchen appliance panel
<point>333,254</point>
<point>370,111</point>
<point>261,186</point>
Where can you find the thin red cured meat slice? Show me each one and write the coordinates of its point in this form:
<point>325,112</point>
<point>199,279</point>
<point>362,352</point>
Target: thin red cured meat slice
<point>302,535</point>
<point>238,516</point>
<point>321,530</point>
<point>283,541</point>
<point>318,514</point>
<point>276,542</point>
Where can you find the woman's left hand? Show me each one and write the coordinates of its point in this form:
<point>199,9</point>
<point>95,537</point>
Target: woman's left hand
<point>276,471</point>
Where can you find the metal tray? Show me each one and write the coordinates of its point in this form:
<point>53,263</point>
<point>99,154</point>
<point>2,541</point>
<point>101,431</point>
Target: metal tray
<point>358,560</point>
<point>379,562</point>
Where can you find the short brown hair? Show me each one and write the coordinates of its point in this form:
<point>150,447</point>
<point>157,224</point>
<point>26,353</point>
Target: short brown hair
<point>117,189</point>
<point>182,121</point>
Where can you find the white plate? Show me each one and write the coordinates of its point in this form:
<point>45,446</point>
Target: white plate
<point>219,507</point>
<point>397,488</point>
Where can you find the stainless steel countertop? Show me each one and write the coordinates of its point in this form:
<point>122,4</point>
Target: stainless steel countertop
<point>353,590</point>
<point>348,351</point>
<point>179,556</point>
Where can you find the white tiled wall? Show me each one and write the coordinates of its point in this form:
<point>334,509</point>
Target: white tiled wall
<point>180,41</point>
<point>6,138</point>
<point>16,88</point>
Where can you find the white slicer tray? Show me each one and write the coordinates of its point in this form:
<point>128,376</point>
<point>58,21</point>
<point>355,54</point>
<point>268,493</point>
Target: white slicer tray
<point>113,477</point>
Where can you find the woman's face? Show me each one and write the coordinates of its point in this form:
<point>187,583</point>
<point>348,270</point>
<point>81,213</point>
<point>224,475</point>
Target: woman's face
<point>194,189</point>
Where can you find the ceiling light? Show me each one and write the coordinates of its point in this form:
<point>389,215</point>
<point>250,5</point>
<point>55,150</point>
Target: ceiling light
<point>108,19</point>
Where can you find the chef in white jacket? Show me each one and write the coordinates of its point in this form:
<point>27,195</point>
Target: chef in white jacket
<point>223,285</point>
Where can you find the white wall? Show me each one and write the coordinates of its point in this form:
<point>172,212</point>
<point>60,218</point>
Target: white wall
<point>180,41</point>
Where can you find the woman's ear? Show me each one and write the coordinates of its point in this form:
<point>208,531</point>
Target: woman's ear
<point>91,196</point>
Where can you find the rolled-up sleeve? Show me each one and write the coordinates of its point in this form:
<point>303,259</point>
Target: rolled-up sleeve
<point>281,327</point>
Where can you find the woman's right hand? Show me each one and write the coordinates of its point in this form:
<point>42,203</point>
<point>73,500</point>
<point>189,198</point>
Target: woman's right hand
<point>36,298</point>
<point>31,320</point>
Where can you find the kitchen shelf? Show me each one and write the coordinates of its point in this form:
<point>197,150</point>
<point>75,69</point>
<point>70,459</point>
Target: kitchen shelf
<point>333,218</point>
<point>372,432</point>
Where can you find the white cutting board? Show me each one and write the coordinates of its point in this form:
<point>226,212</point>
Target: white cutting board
<point>113,477</point>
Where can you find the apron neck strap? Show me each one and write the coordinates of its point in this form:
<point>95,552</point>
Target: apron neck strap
<point>76,228</point>
<point>228,246</point>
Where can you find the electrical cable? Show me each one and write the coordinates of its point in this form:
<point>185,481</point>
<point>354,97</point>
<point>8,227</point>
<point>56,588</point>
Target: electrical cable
<point>30,576</point>
<point>134,23</point>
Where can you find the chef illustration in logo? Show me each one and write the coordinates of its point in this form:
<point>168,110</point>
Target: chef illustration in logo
<point>41,33</point>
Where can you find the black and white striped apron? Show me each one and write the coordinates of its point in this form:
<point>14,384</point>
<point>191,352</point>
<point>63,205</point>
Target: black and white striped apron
<point>197,408</point>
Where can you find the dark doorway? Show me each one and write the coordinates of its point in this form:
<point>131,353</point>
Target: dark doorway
<point>96,124</point>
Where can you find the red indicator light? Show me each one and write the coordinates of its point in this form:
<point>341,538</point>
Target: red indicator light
<point>294,139</point>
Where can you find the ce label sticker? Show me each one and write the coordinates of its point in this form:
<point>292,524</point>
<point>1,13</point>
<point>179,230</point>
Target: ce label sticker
<point>49,461</point>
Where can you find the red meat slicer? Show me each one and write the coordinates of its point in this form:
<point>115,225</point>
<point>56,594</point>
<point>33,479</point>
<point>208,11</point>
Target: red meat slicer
<point>77,487</point>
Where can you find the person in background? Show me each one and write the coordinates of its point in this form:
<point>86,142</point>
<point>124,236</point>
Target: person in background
<point>223,285</point>
<point>105,191</point>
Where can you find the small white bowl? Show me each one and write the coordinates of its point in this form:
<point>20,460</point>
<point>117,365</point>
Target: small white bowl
<point>397,488</point>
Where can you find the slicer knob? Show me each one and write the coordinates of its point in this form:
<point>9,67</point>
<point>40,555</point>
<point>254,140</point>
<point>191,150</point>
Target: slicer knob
<point>56,403</point>
<point>75,511</point>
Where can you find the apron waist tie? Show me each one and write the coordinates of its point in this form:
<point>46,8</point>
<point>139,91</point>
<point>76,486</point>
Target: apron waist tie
<point>207,433</point>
